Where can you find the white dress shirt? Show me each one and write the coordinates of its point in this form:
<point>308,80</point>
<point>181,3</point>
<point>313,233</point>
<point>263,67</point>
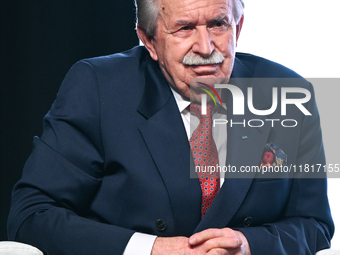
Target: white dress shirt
<point>142,244</point>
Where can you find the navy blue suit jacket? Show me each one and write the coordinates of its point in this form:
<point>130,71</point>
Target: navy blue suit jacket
<point>114,159</point>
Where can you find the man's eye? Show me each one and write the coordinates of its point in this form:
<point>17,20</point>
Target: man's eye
<point>185,28</point>
<point>219,24</point>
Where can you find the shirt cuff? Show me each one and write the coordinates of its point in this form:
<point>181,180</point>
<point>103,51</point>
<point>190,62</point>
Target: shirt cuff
<point>140,244</point>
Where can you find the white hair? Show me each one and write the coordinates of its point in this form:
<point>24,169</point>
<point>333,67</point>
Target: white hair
<point>147,12</point>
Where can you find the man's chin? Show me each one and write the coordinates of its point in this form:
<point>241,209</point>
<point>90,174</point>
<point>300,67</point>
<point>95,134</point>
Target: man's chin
<point>207,80</point>
<point>214,77</point>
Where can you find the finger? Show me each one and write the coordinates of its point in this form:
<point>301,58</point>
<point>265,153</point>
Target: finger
<point>220,252</point>
<point>205,235</point>
<point>217,252</point>
<point>208,234</point>
<point>227,243</point>
<point>231,245</point>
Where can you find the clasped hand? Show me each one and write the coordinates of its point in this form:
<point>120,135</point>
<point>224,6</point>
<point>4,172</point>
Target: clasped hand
<point>211,242</point>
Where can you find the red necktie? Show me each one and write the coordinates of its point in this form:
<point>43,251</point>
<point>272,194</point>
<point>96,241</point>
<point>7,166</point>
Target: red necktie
<point>205,154</point>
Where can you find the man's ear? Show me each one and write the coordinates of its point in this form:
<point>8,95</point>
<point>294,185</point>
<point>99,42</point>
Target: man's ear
<point>148,42</point>
<point>239,28</point>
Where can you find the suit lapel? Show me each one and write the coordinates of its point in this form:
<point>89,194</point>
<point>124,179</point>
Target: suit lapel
<point>164,126</point>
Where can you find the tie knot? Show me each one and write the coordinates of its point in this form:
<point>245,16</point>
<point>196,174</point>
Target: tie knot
<point>196,109</point>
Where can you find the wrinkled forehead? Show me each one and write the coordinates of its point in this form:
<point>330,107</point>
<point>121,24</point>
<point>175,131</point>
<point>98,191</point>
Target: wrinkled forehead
<point>194,10</point>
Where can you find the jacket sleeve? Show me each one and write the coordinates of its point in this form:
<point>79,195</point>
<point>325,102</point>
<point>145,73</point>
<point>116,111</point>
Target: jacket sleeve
<point>306,224</point>
<point>50,204</point>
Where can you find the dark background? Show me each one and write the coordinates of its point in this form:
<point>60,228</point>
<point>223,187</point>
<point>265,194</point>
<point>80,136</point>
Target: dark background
<point>40,41</point>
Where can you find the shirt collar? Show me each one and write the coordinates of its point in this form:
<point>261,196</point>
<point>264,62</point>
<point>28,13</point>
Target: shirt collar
<point>181,102</point>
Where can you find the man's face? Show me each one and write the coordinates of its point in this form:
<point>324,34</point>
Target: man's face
<point>194,28</point>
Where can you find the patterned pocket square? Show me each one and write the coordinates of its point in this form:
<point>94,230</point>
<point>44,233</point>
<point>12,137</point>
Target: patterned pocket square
<point>273,156</point>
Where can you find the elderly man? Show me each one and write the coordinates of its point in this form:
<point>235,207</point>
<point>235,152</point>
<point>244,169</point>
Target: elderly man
<point>110,173</point>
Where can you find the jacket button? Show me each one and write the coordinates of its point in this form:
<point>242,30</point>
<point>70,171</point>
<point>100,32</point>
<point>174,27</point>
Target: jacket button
<point>247,221</point>
<point>160,225</point>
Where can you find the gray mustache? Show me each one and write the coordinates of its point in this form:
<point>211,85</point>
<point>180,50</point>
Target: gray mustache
<point>195,60</point>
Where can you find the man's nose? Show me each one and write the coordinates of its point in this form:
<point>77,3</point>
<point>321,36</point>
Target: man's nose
<point>203,44</point>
